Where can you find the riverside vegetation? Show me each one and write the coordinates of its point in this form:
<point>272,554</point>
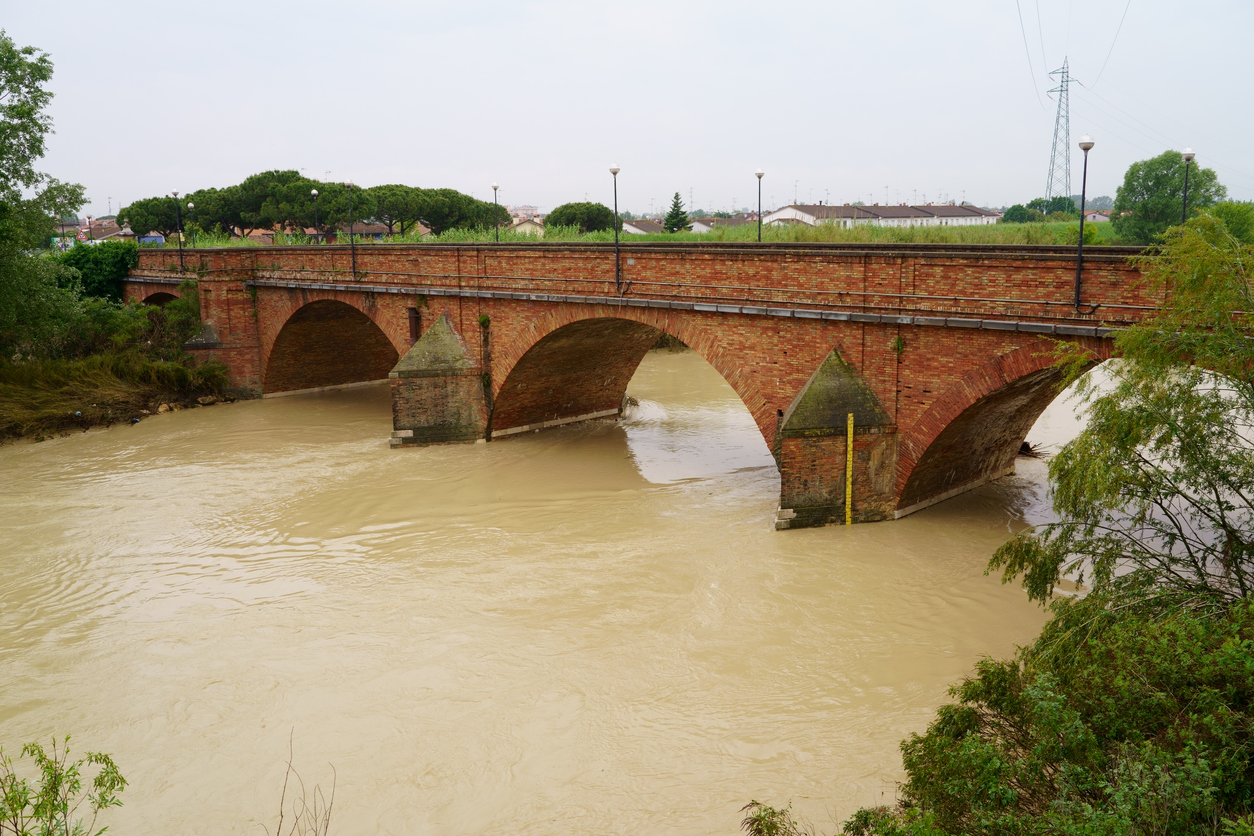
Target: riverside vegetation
<point>1133,711</point>
<point>71,353</point>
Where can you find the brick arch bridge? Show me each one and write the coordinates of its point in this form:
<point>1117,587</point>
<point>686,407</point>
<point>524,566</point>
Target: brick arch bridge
<point>942,353</point>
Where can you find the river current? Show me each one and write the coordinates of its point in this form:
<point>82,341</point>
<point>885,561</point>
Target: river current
<point>593,629</point>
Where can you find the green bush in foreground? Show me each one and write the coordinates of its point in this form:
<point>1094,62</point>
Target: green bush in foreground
<point>49,806</point>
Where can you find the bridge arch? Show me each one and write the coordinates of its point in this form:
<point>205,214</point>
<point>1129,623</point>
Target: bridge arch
<point>575,362</point>
<point>327,342</point>
<point>973,431</point>
<point>161,298</point>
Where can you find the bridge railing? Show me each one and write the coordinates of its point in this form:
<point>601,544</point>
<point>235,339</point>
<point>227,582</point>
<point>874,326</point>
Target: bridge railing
<point>984,285</point>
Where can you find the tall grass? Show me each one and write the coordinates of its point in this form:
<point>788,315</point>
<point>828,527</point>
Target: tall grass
<point>995,234</point>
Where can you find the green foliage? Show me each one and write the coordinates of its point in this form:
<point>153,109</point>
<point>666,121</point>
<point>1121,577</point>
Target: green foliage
<point>676,218</point>
<point>102,267</point>
<point>587,217</point>
<point>1111,721</point>
<point>1017,214</point>
<point>51,804</point>
<point>1151,198</point>
<point>1070,234</point>
<point>1238,218</point>
<point>1156,491</point>
<point>1055,205</point>
<point>151,215</point>
<point>38,297</point>
<point>762,820</point>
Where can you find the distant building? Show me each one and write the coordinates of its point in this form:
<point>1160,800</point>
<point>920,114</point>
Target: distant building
<point>524,212</point>
<point>930,214</point>
<point>709,224</point>
<point>642,227</point>
<point>528,226</point>
<point>1096,217</point>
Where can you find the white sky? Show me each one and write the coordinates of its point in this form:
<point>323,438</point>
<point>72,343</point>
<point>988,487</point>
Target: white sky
<point>835,100</point>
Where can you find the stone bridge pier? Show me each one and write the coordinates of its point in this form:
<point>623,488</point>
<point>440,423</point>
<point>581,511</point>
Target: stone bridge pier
<point>942,356</point>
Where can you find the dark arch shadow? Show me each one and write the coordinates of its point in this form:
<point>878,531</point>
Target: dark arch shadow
<point>981,443</point>
<point>576,372</point>
<point>160,299</point>
<point>327,343</point>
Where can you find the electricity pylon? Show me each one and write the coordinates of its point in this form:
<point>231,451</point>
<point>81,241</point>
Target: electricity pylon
<point>1059,182</point>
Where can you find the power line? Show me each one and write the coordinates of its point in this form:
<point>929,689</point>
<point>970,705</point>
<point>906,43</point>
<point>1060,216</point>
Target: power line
<point>1112,44</point>
<point>1027,53</point>
<point>1040,31</point>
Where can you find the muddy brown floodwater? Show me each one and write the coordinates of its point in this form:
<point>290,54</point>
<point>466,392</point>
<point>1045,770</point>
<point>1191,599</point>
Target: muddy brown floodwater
<point>593,629</point>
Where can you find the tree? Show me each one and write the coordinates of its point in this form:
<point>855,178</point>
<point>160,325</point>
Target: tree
<point>1238,217</point>
<point>37,299</point>
<point>1017,214</point>
<point>101,268</point>
<point>1156,491</point>
<point>1152,196</point>
<point>589,217</point>
<point>154,214</point>
<point>51,805</point>
<point>1057,203</point>
<point>396,205</point>
<point>676,219</point>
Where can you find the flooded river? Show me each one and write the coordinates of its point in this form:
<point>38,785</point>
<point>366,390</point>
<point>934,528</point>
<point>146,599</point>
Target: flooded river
<point>592,630</point>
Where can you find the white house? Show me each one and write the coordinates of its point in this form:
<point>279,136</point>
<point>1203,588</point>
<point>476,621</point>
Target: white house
<point>642,227</point>
<point>1096,217</point>
<point>529,226</point>
<point>931,214</point>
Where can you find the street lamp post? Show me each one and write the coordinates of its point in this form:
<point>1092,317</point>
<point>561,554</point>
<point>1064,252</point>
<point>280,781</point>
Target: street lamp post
<point>178,223</point>
<point>759,174</point>
<point>496,217</point>
<point>314,192</point>
<point>1086,144</point>
<point>1188,155</point>
<point>618,268</point>
<point>90,232</point>
<point>352,246</point>
<point>191,219</point>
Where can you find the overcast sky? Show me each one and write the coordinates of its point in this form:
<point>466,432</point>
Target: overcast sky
<point>873,101</point>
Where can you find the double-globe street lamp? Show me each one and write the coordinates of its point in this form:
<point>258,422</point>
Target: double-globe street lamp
<point>759,174</point>
<point>1188,155</point>
<point>314,193</point>
<point>1086,145</point>
<point>618,268</point>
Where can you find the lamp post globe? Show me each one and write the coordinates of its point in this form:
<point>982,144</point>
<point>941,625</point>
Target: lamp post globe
<point>1086,144</point>
<point>759,174</point>
<point>1188,155</point>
